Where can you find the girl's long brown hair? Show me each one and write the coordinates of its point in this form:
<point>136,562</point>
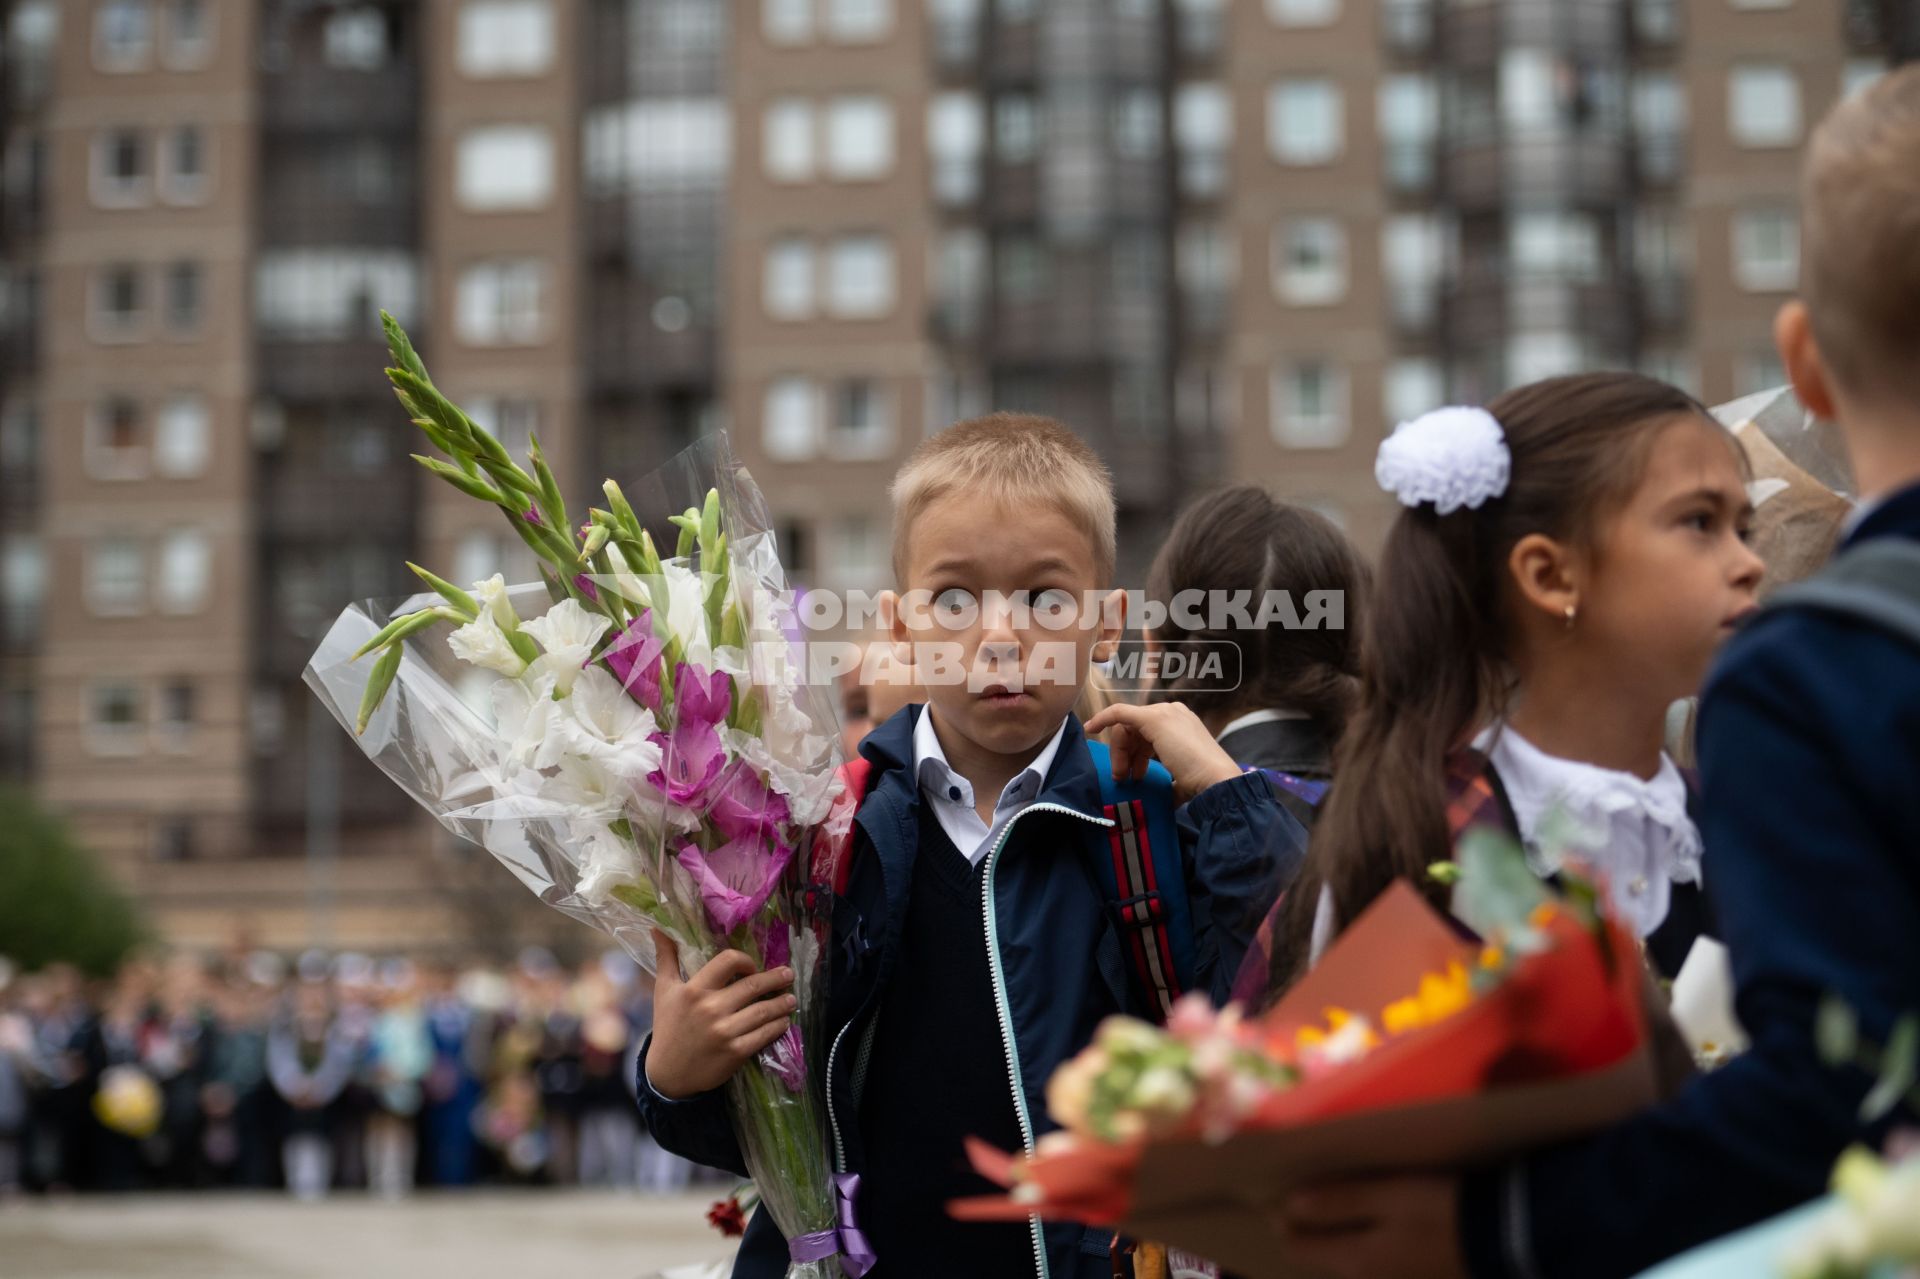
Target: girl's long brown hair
<point>1437,656</point>
<point>1243,539</point>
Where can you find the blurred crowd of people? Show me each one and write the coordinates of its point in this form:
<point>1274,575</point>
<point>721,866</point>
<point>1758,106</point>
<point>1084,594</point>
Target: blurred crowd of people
<point>330,1073</point>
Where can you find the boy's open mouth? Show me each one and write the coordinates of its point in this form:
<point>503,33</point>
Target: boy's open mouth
<point>1001,695</point>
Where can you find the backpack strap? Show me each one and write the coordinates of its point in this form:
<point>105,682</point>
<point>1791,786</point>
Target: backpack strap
<point>1145,880</point>
<point>1877,582</point>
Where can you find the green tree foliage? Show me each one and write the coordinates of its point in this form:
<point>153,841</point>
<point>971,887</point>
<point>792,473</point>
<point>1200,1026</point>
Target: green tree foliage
<point>56,901</point>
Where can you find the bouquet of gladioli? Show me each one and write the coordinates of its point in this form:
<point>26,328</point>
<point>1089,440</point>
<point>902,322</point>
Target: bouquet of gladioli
<point>1407,1047</point>
<point>632,738</point>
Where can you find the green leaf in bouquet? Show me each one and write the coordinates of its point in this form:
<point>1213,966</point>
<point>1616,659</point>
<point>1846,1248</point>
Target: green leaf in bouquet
<point>621,509</point>
<point>689,525</point>
<point>523,646</point>
<point>552,507</point>
<point>710,526</point>
<point>1836,1032</point>
<point>471,485</point>
<point>597,537</point>
<point>448,591</point>
<point>1899,1070</point>
<point>408,624</point>
<point>1497,891</point>
<point>401,346</point>
<point>377,685</point>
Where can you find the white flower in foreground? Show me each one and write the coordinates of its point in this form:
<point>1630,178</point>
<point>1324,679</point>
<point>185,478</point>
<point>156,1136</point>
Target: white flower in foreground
<point>686,606</point>
<point>492,597</point>
<point>566,634</point>
<point>483,643</point>
<point>606,862</point>
<point>809,793</point>
<point>523,716</point>
<point>600,723</point>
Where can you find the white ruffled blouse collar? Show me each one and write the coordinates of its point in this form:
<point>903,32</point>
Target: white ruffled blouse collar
<point>1634,831</point>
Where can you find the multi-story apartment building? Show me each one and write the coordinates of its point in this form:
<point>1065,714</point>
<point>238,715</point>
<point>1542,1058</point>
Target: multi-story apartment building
<point>1225,239</point>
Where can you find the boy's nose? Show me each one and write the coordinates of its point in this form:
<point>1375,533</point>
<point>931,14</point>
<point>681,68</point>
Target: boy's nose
<point>1749,569</point>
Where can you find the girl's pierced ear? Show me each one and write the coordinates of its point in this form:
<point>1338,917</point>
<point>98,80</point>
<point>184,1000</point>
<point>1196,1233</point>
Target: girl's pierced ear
<point>1573,611</point>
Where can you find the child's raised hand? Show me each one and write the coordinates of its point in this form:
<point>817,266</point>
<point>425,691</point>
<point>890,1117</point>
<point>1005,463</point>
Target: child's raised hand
<point>709,1025</point>
<point>1171,733</point>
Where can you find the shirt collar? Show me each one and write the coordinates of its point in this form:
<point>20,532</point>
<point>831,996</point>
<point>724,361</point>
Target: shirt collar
<point>937,776</point>
<point>1271,715</point>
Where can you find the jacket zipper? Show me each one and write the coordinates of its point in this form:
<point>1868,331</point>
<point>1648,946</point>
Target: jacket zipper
<point>1005,1007</point>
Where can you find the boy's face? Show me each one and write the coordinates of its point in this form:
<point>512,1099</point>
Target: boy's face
<point>1672,573</point>
<point>1000,613</point>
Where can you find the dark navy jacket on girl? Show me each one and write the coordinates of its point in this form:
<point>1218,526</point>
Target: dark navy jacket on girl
<point>1054,951</point>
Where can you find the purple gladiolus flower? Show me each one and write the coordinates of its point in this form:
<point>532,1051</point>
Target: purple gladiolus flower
<point>634,658</point>
<point>776,943</point>
<point>786,1057</point>
<point>531,515</point>
<point>701,695</point>
<point>587,588</point>
<point>743,805</point>
<point>736,878</point>
<point>691,756</point>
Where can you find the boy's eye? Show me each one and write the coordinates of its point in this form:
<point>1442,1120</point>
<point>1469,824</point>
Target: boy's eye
<point>1701,520</point>
<point>1053,604</point>
<point>954,606</point>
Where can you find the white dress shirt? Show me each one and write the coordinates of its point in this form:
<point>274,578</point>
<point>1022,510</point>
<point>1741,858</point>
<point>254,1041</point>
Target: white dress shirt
<point>952,795</point>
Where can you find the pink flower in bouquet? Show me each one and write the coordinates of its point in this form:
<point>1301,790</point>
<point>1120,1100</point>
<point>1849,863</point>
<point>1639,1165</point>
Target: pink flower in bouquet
<point>744,806</point>
<point>691,755</point>
<point>776,943</point>
<point>786,1057</point>
<point>587,588</point>
<point>634,657</point>
<point>531,515</point>
<point>736,878</point>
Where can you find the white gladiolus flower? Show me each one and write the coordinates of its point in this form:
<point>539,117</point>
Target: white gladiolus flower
<point>809,793</point>
<point>523,715</point>
<point>603,725</point>
<point>567,634</point>
<point>686,607</point>
<point>606,862</point>
<point>492,596</point>
<point>484,644</point>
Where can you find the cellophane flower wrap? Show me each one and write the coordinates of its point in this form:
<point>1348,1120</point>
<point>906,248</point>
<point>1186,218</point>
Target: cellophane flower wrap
<point>632,737</point>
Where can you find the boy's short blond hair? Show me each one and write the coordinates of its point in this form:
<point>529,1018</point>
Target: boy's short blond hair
<point>1860,208</point>
<point>1009,457</point>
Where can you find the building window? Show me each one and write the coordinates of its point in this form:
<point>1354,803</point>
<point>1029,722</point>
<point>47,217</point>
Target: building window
<point>1202,134</point>
<point>508,420</point>
<point>122,35</point>
<point>20,437</point>
<point>116,303</point>
<point>185,577</point>
<point>862,420</point>
<point>860,277</point>
<point>1137,124</point>
<point>183,171</point>
<point>1671,366</point>
<point>1412,387</point>
<point>1016,128</point>
<point>173,840</point>
<point>665,144</point>
<point>1763,105</point>
<point>355,39</point>
<point>180,437</point>
<point>787,142</point>
<point>1310,261</point>
<point>1409,126</point>
<point>1305,121</point>
<point>1533,356</point>
<point>856,553</point>
<point>790,430</point>
<point>113,719</point>
<point>1759,370</point>
<point>956,137</point>
<point>1858,73</point>
<point>1766,250</point>
<point>189,34</point>
<point>186,296</point>
<point>116,441</point>
<point>786,21</point>
<point>505,38</point>
<point>502,303</point>
<point>120,169</point>
<point>504,167</point>
<point>859,21</point>
<point>23,588</point>
<point>1310,405</point>
<point>787,290</point>
<point>116,577</point>
<point>859,138</point>
<point>1303,13</point>
<point>1560,245</point>
<point>328,294</point>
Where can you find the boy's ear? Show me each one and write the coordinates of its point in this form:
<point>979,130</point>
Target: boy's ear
<point>1113,624</point>
<point>893,621</point>
<point>1800,356</point>
<point>1546,575</point>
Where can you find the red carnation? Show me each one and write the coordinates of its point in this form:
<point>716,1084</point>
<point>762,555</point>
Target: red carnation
<point>728,1217</point>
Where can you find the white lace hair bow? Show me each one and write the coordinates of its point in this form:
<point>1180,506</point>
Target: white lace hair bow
<point>1451,457</point>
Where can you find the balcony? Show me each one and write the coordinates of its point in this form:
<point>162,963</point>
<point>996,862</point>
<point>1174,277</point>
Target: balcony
<point>1406,27</point>
<point>308,98</point>
<point>1474,36</point>
<point>1554,165</point>
<point>347,368</point>
<point>307,504</point>
<point>1661,158</point>
<point>1664,302</point>
<point>1486,308</point>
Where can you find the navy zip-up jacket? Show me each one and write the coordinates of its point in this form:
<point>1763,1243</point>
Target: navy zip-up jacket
<point>1809,758</point>
<point>1053,944</point>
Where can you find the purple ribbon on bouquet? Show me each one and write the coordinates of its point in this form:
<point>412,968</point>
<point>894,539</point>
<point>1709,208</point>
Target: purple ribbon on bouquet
<point>845,1239</point>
